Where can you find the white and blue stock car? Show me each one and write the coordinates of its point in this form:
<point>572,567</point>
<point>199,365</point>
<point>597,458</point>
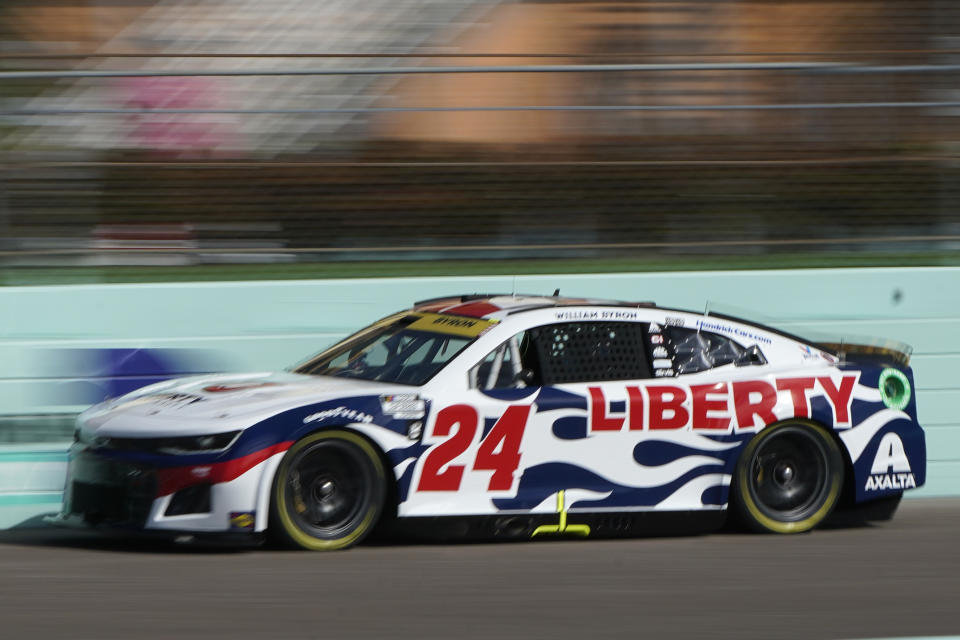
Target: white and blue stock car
<point>516,416</point>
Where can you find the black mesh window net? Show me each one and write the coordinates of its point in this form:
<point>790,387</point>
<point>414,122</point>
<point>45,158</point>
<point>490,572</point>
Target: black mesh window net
<point>591,351</point>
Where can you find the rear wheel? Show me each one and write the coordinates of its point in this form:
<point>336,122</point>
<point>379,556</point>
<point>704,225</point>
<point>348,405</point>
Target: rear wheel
<point>788,479</point>
<point>328,492</point>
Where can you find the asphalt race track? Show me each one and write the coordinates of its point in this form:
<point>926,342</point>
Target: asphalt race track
<point>898,579</point>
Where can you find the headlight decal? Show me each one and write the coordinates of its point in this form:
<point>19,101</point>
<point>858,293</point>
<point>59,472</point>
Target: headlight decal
<point>173,479</point>
<point>180,445</point>
<point>198,444</point>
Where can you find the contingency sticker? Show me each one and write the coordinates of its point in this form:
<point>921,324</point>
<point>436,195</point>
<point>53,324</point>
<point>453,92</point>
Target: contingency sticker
<point>242,520</point>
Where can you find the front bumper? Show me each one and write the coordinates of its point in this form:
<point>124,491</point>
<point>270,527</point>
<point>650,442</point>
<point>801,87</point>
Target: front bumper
<point>106,490</point>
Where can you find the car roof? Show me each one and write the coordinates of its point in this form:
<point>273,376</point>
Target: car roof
<point>484,305</point>
<point>487,305</point>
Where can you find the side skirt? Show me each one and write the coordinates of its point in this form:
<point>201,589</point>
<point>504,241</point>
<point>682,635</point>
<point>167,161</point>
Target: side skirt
<point>551,526</point>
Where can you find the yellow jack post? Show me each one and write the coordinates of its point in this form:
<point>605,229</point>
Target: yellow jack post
<point>580,530</point>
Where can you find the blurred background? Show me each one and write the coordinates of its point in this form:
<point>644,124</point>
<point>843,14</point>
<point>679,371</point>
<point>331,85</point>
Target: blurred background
<point>211,139</point>
<point>516,145</point>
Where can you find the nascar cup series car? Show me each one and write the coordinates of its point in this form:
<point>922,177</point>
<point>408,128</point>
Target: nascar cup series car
<point>522,416</point>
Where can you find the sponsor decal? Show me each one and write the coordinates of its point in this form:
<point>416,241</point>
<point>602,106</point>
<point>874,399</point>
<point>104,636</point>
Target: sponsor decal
<point>660,352</point>
<point>242,520</point>
<point>415,430</point>
<point>732,330</point>
<point>174,400</point>
<point>894,389</point>
<point>891,468</point>
<point>653,328</point>
<point>808,353</point>
<point>674,321</point>
<point>664,373</point>
<point>656,338</point>
<point>226,388</point>
<point>451,325</point>
<point>721,406</point>
<point>662,363</point>
<point>403,406</point>
<point>339,412</point>
<point>891,481</point>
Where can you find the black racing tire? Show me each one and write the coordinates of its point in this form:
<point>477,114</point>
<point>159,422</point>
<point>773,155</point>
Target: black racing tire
<point>328,492</point>
<point>788,478</point>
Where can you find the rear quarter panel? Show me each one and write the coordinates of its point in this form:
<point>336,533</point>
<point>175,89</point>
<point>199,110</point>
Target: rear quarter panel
<point>886,445</point>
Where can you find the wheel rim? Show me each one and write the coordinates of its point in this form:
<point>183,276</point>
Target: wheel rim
<point>790,475</point>
<point>328,489</point>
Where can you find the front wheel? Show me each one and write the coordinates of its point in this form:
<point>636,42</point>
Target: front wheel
<point>328,492</point>
<point>788,478</point>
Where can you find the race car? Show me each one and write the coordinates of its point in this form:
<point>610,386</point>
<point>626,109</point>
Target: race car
<point>520,416</point>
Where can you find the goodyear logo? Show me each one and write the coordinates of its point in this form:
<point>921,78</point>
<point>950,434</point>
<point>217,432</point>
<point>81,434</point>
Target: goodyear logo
<point>242,520</point>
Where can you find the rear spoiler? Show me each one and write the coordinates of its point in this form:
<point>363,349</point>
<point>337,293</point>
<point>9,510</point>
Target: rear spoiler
<point>891,351</point>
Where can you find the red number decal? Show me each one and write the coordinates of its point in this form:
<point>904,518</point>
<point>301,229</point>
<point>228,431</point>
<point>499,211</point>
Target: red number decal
<point>431,478</point>
<point>506,436</point>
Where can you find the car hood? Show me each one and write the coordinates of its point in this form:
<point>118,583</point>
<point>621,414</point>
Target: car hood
<point>202,404</point>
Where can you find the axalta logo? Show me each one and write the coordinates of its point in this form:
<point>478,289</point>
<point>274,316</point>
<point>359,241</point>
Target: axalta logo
<point>891,469</point>
<point>719,407</point>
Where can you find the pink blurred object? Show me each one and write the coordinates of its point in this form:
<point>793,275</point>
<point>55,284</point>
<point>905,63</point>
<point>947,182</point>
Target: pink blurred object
<point>182,133</point>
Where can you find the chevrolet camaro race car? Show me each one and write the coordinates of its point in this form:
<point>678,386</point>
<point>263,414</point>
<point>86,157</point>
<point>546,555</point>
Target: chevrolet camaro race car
<point>519,416</point>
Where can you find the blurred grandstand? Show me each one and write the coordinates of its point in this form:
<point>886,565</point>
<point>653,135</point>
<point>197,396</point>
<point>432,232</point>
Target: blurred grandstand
<point>186,132</point>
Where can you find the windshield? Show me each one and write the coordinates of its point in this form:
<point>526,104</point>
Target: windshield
<point>406,349</point>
